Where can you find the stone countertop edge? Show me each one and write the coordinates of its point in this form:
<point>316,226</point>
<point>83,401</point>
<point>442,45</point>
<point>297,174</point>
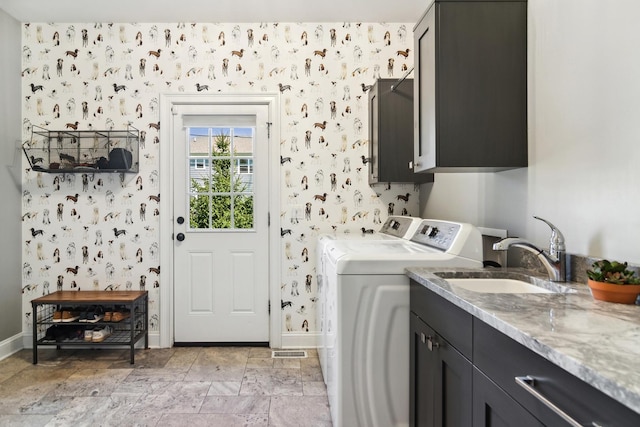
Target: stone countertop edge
<point>596,341</point>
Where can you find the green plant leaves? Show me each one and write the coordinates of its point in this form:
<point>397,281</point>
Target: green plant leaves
<point>612,272</point>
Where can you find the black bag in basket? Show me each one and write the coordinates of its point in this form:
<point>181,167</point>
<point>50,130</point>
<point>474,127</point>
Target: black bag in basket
<point>119,158</point>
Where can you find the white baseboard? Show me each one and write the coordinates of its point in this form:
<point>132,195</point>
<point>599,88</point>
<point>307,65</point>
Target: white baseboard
<point>297,340</point>
<point>11,345</point>
<point>154,340</point>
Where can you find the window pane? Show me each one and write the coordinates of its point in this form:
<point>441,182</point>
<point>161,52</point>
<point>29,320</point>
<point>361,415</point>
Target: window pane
<point>200,175</point>
<point>221,212</point>
<point>243,141</point>
<point>199,142</point>
<point>221,141</point>
<point>199,212</point>
<point>243,211</point>
<point>221,176</point>
<point>243,183</point>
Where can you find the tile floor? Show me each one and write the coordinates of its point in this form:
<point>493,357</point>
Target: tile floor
<point>194,386</point>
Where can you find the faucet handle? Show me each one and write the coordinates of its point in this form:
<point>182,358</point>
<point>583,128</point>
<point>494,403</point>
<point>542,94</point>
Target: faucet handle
<point>556,243</point>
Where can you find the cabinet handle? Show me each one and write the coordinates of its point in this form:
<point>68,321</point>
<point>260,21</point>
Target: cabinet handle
<point>431,344</point>
<point>528,383</point>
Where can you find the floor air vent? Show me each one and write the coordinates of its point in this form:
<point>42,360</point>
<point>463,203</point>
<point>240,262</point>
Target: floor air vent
<point>288,354</point>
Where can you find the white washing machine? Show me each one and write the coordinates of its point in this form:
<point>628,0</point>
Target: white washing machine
<point>366,335</point>
<point>394,228</point>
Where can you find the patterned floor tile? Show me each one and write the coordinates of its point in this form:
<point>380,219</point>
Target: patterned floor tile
<point>302,411</point>
<point>195,386</point>
<point>110,410</point>
<point>271,382</point>
<point>235,405</point>
<point>314,388</point>
<point>213,420</point>
<point>24,420</point>
<point>224,388</point>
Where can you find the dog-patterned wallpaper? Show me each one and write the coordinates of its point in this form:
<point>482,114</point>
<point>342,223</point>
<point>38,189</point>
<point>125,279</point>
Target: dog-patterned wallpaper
<point>93,232</point>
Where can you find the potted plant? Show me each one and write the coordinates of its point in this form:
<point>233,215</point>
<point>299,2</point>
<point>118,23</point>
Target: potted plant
<point>611,281</point>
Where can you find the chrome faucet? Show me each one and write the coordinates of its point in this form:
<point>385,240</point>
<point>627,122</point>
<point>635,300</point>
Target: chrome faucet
<point>553,260</point>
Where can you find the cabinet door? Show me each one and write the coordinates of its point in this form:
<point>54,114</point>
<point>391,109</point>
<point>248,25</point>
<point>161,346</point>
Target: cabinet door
<point>422,378</point>
<point>481,84</point>
<point>470,89</point>
<point>391,133</point>
<point>440,380</point>
<point>424,95</point>
<point>492,407</point>
<point>453,387</point>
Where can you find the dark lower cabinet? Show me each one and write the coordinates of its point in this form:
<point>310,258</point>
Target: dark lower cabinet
<point>453,386</point>
<point>441,386</point>
<point>423,366</point>
<point>486,379</point>
<point>551,394</point>
<point>492,407</point>
<point>441,372</point>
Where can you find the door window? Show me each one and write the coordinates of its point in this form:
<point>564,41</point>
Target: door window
<point>221,178</point>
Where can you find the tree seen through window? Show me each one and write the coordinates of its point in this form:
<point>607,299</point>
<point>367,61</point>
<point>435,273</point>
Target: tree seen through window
<point>223,197</point>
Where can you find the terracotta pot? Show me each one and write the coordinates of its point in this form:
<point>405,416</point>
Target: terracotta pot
<point>624,294</point>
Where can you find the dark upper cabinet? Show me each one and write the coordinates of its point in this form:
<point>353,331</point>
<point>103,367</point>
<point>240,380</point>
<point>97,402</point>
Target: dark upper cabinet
<point>470,93</point>
<point>391,133</point>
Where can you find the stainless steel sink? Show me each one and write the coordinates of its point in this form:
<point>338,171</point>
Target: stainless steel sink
<point>498,286</point>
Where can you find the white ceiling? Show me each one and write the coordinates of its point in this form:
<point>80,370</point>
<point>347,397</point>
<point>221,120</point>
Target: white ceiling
<point>225,11</point>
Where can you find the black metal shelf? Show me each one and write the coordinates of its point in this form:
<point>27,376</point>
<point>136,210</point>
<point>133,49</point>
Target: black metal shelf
<point>126,332</point>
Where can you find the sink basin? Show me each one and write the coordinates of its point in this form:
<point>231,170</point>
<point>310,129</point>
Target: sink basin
<point>498,286</point>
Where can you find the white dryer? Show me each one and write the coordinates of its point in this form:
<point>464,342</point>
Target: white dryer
<point>366,338</point>
<point>394,228</point>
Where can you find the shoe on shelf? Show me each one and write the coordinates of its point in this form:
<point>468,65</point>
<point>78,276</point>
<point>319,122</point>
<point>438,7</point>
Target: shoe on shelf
<point>86,313</point>
<point>57,316</point>
<point>107,316</point>
<point>88,335</point>
<point>117,316</point>
<point>101,334</point>
<point>94,315</point>
<point>69,316</point>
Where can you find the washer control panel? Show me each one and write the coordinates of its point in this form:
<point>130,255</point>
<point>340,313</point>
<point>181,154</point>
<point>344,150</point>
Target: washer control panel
<point>400,226</point>
<point>437,234</point>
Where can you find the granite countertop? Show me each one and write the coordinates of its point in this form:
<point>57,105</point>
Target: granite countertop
<point>598,342</point>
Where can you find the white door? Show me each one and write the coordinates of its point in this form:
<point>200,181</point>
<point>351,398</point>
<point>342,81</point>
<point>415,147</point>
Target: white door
<point>221,257</point>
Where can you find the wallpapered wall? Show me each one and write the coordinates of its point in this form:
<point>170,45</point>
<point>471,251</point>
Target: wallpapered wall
<point>108,76</point>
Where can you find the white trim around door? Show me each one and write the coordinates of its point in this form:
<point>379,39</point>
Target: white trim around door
<point>167,102</point>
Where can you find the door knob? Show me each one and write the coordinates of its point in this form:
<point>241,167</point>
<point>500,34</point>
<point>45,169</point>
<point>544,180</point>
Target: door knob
<point>180,220</point>
<point>180,237</point>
